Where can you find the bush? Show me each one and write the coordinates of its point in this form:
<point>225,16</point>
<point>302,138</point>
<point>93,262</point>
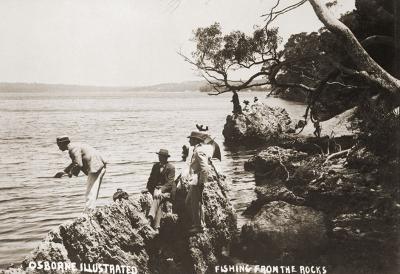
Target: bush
<point>380,129</point>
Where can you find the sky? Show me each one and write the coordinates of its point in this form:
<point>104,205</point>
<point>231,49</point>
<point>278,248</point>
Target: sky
<point>123,42</point>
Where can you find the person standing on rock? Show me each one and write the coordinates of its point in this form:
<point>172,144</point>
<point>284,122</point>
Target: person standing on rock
<point>88,160</point>
<point>237,108</point>
<point>317,131</point>
<point>161,184</point>
<point>200,168</point>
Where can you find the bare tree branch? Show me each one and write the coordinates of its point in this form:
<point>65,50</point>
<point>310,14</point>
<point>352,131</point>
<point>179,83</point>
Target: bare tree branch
<point>343,85</point>
<point>272,15</point>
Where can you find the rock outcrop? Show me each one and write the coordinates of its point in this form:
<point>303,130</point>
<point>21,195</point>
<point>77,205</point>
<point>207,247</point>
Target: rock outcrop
<point>274,164</point>
<point>269,193</point>
<point>120,234</point>
<point>281,232</point>
<point>117,234</point>
<point>272,168</point>
<point>357,192</point>
<point>260,123</point>
<point>273,125</point>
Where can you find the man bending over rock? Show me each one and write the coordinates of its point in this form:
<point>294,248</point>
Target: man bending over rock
<point>87,159</point>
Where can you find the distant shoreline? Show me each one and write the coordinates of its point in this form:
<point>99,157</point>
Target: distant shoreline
<point>36,87</point>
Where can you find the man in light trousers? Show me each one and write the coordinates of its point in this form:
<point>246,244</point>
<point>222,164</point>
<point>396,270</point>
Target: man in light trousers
<point>88,160</point>
<point>200,168</point>
<point>160,184</point>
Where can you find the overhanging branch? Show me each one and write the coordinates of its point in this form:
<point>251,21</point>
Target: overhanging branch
<point>365,64</point>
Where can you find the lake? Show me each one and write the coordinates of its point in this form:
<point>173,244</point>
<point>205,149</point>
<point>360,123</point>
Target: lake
<point>126,127</point>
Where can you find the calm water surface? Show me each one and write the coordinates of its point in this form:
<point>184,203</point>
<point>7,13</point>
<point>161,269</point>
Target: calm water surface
<point>126,127</point>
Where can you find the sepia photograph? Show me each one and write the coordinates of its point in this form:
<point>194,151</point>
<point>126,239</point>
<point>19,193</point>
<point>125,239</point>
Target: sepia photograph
<point>200,136</point>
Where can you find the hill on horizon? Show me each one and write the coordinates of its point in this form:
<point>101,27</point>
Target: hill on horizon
<point>35,87</point>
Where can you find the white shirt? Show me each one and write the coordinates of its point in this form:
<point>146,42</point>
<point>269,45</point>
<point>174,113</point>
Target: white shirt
<point>86,157</point>
<point>199,163</point>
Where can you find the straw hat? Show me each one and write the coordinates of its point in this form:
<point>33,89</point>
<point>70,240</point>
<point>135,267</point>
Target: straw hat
<point>198,135</point>
<point>163,152</point>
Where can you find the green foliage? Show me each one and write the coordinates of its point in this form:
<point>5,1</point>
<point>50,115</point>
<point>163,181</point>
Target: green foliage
<point>380,128</point>
<point>306,59</point>
<point>314,51</point>
<point>372,17</point>
<point>208,41</point>
<point>310,67</point>
<point>233,50</point>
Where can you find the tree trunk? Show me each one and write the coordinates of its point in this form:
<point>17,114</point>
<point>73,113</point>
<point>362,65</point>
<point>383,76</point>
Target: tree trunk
<point>366,66</point>
<point>397,37</point>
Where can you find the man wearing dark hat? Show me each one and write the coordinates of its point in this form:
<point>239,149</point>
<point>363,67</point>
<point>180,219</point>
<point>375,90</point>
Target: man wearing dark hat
<point>199,166</point>
<point>88,160</point>
<point>160,185</point>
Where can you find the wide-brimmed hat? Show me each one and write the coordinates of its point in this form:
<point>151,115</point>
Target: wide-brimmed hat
<point>163,152</point>
<point>198,135</point>
<point>63,139</point>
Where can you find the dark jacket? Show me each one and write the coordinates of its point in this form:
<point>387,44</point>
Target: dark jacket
<point>165,179</point>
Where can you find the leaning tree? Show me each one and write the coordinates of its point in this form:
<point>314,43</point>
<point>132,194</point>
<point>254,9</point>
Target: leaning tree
<point>220,56</point>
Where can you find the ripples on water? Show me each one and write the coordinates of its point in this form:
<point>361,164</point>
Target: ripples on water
<point>126,127</point>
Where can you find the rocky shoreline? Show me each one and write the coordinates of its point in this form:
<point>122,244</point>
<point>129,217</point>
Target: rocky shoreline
<point>326,201</point>
<point>349,204</point>
<point>120,234</point>
<point>337,205</point>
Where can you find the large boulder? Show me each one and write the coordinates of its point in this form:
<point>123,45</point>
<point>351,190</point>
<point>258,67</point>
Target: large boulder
<point>274,164</point>
<point>259,124</point>
<point>265,124</point>
<point>284,233</point>
<point>273,168</point>
<point>116,234</point>
<point>120,234</point>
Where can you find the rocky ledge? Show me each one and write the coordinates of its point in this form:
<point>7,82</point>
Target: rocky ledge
<point>283,233</point>
<point>120,234</point>
<point>262,124</point>
<point>341,210</point>
<point>259,124</point>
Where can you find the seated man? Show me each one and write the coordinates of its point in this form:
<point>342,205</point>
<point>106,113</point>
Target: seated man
<point>160,184</point>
